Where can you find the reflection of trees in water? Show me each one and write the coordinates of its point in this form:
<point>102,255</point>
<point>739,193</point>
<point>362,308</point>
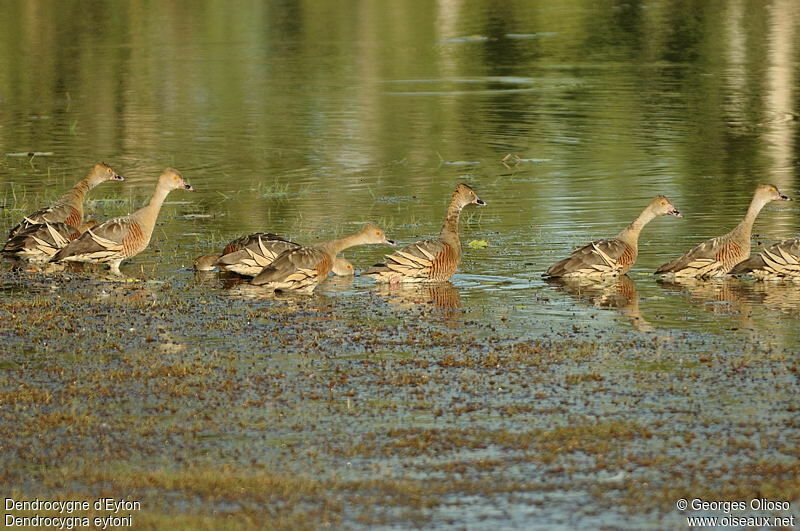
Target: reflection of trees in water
<point>288,92</point>
<point>616,293</point>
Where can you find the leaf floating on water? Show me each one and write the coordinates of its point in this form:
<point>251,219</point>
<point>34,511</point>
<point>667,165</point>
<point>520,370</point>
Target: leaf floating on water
<point>30,154</point>
<point>478,244</point>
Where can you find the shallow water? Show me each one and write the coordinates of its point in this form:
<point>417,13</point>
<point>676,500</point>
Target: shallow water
<point>309,120</point>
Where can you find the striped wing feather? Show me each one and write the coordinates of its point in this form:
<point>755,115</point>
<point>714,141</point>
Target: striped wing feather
<point>255,255</point>
<point>780,260</point>
<point>598,258</point>
<point>253,241</point>
<point>57,213</point>
<point>296,269</point>
<point>107,242</point>
<point>41,241</point>
<point>418,262</point>
<point>711,258</point>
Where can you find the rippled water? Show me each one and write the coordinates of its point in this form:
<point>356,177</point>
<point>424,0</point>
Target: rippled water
<point>304,120</point>
<point>566,119</point>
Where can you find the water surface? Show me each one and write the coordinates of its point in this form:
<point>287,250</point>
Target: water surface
<point>309,120</point>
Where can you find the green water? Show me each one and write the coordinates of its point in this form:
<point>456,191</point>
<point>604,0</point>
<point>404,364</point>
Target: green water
<point>311,118</point>
<point>308,120</point>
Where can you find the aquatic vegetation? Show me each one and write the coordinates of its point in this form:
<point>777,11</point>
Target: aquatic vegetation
<point>293,419</point>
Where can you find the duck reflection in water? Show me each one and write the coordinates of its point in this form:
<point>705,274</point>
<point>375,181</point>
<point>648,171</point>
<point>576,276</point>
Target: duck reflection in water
<point>741,295</point>
<point>438,294</point>
<point>618,293</point>
<point>725,296</point>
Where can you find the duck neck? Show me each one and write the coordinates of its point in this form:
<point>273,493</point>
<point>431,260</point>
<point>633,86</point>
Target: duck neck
<point>745,228</point>
<point>77,194</point>
<point>147,215</point>
<point>449,233</point>
<point>334,247</point>
<point>630,234</point>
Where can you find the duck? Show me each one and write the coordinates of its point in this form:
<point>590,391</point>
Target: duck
<point>301,269</point>
<point>118,239</point>
<point>615,256</point>
<point>777,262</point>
<point>433,260</point>
<point>718,256</point>
<point>69,207</point>
<point>249,255</point>
<point>39,242</point>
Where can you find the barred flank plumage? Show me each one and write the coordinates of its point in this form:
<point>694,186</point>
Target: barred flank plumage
<point>610,258</point>
<point>778,261</point>
<point>69,207</point>
<point>120,238</point>
<point>249,255</point>
<point>301,269</point>
<point>434,260</point>
<point>718,256</point>
<point>38,243</point>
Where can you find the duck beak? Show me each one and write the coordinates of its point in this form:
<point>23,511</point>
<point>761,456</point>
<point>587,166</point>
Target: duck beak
<point>676,213</point>
<point>479,202</point>
<point>390,242</point>
<point>188,186</point>
<point>782,197</point>
<point>118,178</point>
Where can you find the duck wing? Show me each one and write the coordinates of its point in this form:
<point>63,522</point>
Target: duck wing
<point>57,213</point>
<point>707,259</point>
<point>295,269</point>
<point>781,259</point>
<point>103,242</point>
<point>597,258</point>
<point>416,262</point>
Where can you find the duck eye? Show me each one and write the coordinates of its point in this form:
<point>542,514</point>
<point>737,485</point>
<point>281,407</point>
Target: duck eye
<point>663,203</point>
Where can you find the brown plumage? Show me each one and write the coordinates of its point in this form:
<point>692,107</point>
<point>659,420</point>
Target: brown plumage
<point>303,268</point>
<point>249,255</point>
<point>69,207</point>
<point>434,260</point>
<point>120,238</point>
<point>39,242</point>
<point>778,261</point>
<point>607,258</point>
<point>717,256</point>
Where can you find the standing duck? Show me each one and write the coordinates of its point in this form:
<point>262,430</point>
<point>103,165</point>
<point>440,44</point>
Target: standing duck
<point>302,268</point>
<point>249,255</point>
<point>778,261</point>
<point>39,242</point>
<point>69,207</point>
<point>717,256</point>
<point>434,260</point>
<point>120,238</point>
<point>607,258</point>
